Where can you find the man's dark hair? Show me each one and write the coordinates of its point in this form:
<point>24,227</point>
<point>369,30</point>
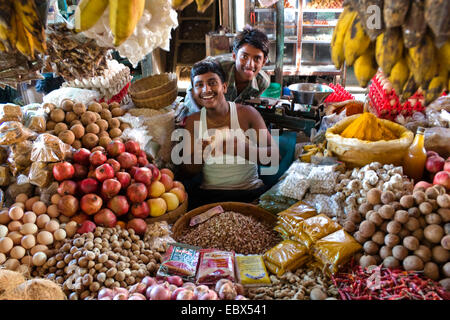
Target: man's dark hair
<point>205,66</point>
<point>254,37</point>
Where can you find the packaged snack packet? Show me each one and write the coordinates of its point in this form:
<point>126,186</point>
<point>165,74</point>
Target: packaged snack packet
<point>181,260</point>
<point>215,265</point>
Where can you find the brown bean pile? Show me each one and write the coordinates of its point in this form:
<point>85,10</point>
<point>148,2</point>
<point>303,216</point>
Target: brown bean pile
<point>232,231</point>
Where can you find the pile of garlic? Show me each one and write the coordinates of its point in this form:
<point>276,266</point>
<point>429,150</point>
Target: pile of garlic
<point>109,84</point>
<point>152,31</point>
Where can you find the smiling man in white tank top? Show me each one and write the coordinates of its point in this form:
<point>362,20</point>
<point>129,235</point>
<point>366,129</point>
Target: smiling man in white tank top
<point>228,159</point>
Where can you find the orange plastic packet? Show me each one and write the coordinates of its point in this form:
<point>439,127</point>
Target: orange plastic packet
<point>292,217</point>
<point>315,228</point>
<point>287,255</point>
<point>334,250</point>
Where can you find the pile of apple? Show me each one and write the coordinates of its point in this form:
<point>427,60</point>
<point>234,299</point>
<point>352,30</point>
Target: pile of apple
<point>438,169</point>
<point>116,185</point>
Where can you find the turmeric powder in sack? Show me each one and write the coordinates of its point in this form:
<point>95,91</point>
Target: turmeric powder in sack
<point>291,218</point>
<point>287,255</point>
<point>369,128</point>
<point>334,250</point>
<point>315,228</point>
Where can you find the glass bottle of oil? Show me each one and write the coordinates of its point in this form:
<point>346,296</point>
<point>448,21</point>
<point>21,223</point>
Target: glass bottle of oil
<point>416,156</point>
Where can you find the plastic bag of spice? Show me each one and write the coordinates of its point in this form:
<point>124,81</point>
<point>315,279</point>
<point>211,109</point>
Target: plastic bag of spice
<point>215,265</point>
<point>291,218</point>
<point>49,148</point>
<point>35,118</point>
<point>273,201</point>
<point>40,174</point>
<point>315,228</point>
<point>10,112</point>
<point>12,132</point>
<point>19,158</point>
<point>334,250</point>
<point>181,260</point>
<point>288,255</point>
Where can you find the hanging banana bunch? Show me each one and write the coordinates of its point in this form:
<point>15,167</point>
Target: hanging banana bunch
<point>21,28</point>
<point>123,16</point>
<point>202,5</point>
<point>180,4</point>
<point>412,46</point>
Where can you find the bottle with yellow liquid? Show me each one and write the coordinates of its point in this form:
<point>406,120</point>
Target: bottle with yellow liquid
<point>416,156</point>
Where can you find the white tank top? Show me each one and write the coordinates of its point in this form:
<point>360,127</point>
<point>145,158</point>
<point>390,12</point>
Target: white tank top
<point>227,172</point>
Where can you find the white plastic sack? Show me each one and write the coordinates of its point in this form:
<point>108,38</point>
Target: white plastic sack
<point>78,95</point>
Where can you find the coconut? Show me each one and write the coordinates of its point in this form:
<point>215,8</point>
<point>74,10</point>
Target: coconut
<point>38,289</point>
<point>8,281</point>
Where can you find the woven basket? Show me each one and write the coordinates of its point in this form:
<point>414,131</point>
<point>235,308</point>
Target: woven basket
<point>156,102</point>
<point>153,86</point>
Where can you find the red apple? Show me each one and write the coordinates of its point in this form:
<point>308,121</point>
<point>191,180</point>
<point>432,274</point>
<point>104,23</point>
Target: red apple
<point>168,172</point>
<point>81,171</point>
<point>89,185</point>
<point>127,160</point>
<point>143,175</point>
<point>422,184</point>
<point>68,205</point>
<point>91,203</point>
<point>79,218</point>
<point>138,225</point>
<point>114,163</point>
<point>133,147</point>
<point>178,184</point>
<point>167,181</point>
<point>180,193</point>
<point>442,178</point>
<point>67,187</point>
<point>63,171</point>
<point>115,148</point>
<point>142,161</point>
<point>110,188</point>
<point>105,218</point>
<point>119,205</point>
<point>86,226</point>
<point>81,156</point>
<point>434,164</point>
<point>133,170</point>
<point>124,179</point>
<point>140,210</point>
<point>97,158</point>
<point>103,172</point>
<point>137,192</point>
<point>447,165</point>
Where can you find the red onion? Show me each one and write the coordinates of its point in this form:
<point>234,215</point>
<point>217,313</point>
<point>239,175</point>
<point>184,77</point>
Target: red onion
<point>210,295</point>
<point>175,292</point>
<point>240,290</point>
<point>172,287</point>
<point>200,290</point>
<point>105,292</point>
<point>149,290</point>
<point>159,293</point>
<point>121,296</point>
<point>176,280</point>
<point>137,296</point>
<point>148,281</point>
<point>240,297</point>
<point>138,288</point>
<point>185,295</point>
<point>221,282</point>
<point>120,290</point>
<point>105,298</point>
<point>189,285</point>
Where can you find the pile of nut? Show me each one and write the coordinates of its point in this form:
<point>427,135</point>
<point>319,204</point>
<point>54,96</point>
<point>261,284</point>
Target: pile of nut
<point>301,285</point>
<point>107,257</point>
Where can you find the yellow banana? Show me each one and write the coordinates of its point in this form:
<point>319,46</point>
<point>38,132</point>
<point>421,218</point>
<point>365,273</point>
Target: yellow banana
<point>24,40</point>
<point>6,12</point>
<point>26,10</point>
<point>356,41</point>
<point>430,73</point>
<point>389,49</point>
<point>409,88</point>
<point>365,67</point>
<point>202,5</point>
<point>337,41</point>
<point>399,75</point>
<point>421,58</point>
<point>12,34</point>
<point>123,18</point>
<point>435,89</point>
<point>444,55</point>
<point>88,12</point>
<point>181,4</point>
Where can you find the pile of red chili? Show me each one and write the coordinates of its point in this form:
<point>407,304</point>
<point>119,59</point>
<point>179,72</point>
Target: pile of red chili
<point>378,283</point>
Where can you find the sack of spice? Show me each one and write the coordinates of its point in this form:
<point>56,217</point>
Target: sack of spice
<point>288,255</point>
<point>291,218</point>
<point>315,228</point>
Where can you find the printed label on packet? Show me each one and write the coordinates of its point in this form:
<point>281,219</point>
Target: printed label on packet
<point>202,217</point>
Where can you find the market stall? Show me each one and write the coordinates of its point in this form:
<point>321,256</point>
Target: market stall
<point>95,207</point>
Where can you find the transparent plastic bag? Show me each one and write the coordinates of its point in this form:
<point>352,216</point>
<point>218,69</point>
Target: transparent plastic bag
<point>47,192</point>
<point>291,218</point>
<point>40,174</point>
<point>322,179</point>
<point>274,201</point>
<point>315,228</point>
<point>288,255</point>
<point>10,112</point>
<point>19,158</point>
<point>12,132</point>
<point>294,186</point>
<point>35,118</point>
<point>5,176</point>
<point>74,94</point>
<point>48,148</point>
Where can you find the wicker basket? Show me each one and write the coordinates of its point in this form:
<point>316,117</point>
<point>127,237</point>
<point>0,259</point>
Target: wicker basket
<point>241,207</point>
<point>157,102</point>
<point>153,86</point>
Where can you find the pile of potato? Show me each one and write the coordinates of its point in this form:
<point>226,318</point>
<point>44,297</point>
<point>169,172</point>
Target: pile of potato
<point>410,231</point>
<point>29,229</point>
<point>85,126</point>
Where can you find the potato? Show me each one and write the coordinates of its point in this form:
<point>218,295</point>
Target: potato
<point>443,201</point>
<point>60,127</point>
<point>391,240</point>
<point>50,125</point>
<point>411,243</point>
<point>385,252</point>
<point>407,201</point>
<point>117,112</point>
<point>370,247</point>
<point>446,269</point>
<point>419,197</point>
<point>374,196</point>
<point>354,216</point>
<point>349,226</point>
<point>396,205</point>
<point>89,140</point>
<point>92,128</point>
<point>433,233</point>
<point>447,228</point>
<point>124,126</point>
<point>114,123</point>
<point>414,212</point>
<point>423,253</point>
<point>386,211</point>
<point>445,214</point>
<point>445,242</point>
<point>412,224</point>
<point>115,133</point>
<point>434,204</point>
<point>391,262</point>
<point>418,234</point>
<point>105,114</point>
<point>87,118</point>
<point>440,189</point>
<point>394,227</point>
<point>399,252</point>
<point>48,106</point>
<point>433,218</point>
<point>377,207</point>
<point>376,218</point>
<point>413,263</point>
<point>98,148</point>
<point>366,261</point>
<point>431,270</point>
<point>378,237</point>
<point>431,193</point>
<point>401,216</point>
<point>102,124</point>
<point>383,226</point>
<point>95,107</point>
<point>66,105</point>
<point>404,233</point>
<point>105,140</point>
<point>387,197</point>
<point>79,108</point>
<point>445,283</point>
<point>70,116</point>
<point>359,237</point>
<point>369,214</point>
<point>78,131</point>
<point>113,105</point>
<point>425,208</point>
<point>67,136</point>
<point>97,116</point>
<point>104,105</point>
<point>367,228</point>
<point>364,208</point>
<point>439,254</point>
<point>57,115</point>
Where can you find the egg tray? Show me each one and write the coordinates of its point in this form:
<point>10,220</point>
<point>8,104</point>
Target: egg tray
<point>339,94</point>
